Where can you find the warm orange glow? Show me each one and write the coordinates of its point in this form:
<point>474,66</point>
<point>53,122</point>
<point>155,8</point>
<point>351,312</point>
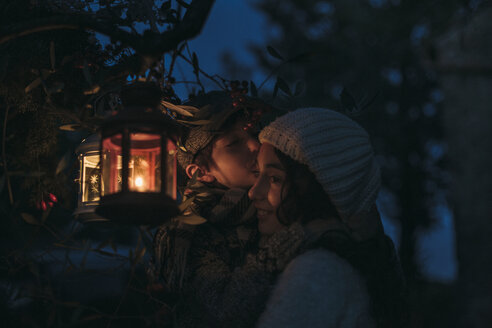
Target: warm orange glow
<point>138,181</point>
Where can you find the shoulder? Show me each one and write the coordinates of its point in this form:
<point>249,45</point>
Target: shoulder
<point>313,261</point>
<point>322,270</point>
<point>318,289</point>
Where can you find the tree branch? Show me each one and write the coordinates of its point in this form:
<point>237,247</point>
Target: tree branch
<point>4,157</point>
<point>148,44</point>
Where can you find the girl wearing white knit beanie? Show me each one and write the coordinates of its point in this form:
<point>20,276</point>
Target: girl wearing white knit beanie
<point>315,193</point>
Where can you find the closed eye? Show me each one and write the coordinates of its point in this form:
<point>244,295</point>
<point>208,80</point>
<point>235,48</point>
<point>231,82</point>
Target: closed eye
<point>233,143</point>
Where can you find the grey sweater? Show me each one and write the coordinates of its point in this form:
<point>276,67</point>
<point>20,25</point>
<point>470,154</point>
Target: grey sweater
<point>318,289</point>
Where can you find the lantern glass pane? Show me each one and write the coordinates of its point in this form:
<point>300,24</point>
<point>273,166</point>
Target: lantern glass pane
<point>144,174</point>
<point>90,178</point>
<point>171,176</point>
<point>111,164</point>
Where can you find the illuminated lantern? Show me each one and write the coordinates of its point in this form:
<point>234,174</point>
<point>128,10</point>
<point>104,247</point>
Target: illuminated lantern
<point>138,160</point>
<point>89,179</point>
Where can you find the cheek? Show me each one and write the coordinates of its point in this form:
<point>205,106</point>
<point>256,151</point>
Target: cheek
<point>275,196</point>
<point>230,161</point>
<point>232,165</point>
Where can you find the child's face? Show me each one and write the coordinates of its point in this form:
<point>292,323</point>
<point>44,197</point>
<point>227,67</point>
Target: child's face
<point>234,158</point>
<point>267,191</point>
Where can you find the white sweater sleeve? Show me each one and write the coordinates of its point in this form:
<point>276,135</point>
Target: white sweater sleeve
<point>318,289</point>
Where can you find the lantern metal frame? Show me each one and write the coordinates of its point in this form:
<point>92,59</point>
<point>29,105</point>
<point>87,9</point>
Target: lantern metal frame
<point>140,114</point>
<point>85,210</point>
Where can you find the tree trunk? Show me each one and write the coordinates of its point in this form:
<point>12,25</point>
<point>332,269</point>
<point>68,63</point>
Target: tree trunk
<point>465,59</point>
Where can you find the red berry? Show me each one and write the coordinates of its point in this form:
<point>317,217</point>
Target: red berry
<point>234,104</point>
<point>50,204</point>
<point>53,198</point>
<point>43,205</point>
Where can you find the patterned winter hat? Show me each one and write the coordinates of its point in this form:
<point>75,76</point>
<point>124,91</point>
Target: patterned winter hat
<point>205,117</point>
<point>336,149</point>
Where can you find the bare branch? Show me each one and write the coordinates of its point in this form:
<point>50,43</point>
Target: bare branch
<point>201,71</point>
<point>4,157</point>
<point>149,44</point>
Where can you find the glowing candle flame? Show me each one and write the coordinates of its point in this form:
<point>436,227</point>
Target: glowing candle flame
<point>138,181</point>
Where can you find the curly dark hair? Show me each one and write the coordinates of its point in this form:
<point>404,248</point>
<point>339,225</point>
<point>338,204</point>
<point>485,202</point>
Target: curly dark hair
<point>305,198</point>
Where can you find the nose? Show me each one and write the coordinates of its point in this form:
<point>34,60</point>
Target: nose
<point>256,191</point>
<point>253,145</point>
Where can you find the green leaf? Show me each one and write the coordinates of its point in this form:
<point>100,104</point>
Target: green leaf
<point>198,122</point>
<point>64,162</point>
<point>32,85</point>
<point>181,47</point>
<point>92,91</point>
<point>300,86</point>
<point>348,101</point>
<point>146,237</point>
<point>192,219</point>
<point>274,53</point>
<point>183,3</point>
<point>71,127</point>
<point>283,86</point>
<point>30,219</point>
<point>104,244</point>
<point>87,73</point>
<point>182,110</point>
<point>139,254</point>
<point>301,57</point>
<point>166,6</point>
<point>275,90</point>
<point>196,68</point>
<point>184,205</point>
<point>253,89</point>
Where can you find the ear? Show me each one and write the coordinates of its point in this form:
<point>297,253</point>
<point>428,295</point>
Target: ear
<point>203,175</point>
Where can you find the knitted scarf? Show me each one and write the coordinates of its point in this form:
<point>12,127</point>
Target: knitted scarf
<point>203,204</point>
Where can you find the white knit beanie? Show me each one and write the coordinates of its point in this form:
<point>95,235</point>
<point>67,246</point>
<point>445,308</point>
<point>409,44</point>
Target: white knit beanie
<point>336,149</point>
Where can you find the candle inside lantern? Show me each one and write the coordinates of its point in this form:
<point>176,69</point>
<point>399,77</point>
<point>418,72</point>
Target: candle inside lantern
<point>145,162</point>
